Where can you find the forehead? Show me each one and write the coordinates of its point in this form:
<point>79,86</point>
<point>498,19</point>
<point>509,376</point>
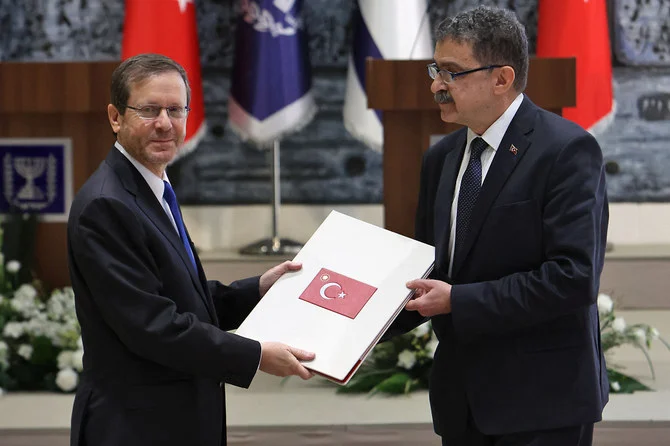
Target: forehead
<point>450,51</point>
<point>167,86</point>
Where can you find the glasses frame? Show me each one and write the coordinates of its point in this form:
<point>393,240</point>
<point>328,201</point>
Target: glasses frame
<point>433,68</point>
<point>160,109</point>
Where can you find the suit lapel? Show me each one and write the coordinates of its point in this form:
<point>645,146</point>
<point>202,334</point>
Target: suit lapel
<point>146,201</point>
<point>512,148</point>
<point>445,195</point>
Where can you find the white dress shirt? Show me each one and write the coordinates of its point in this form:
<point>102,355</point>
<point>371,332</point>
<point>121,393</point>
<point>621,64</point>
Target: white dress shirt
<point>156,184</point>
<point>493,137</point>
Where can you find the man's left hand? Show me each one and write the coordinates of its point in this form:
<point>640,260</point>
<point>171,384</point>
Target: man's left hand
<point>432,297</point>
<point>270,276</point>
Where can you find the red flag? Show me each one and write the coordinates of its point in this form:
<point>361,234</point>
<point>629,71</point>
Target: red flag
<point>337,292</point>
<point>169,27</point>
<point>578,28</point>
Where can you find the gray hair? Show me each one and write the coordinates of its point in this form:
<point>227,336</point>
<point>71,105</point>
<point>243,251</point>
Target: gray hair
<point>139,68</point>
<point>496,36</point>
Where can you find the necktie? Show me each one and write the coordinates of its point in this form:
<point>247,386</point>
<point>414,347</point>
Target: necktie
<point>467,197</point>
<point>171,199</point>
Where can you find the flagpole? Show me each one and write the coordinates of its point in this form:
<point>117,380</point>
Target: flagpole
<point>275,245</point>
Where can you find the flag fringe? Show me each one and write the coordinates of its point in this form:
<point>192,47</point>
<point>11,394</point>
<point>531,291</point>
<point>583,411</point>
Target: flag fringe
<point>190,145</point>
<point>603,123</point>
<point>243,133</point>
<point>362,137</point>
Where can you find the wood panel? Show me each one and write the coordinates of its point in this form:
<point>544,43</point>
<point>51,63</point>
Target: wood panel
<point>58,100</point>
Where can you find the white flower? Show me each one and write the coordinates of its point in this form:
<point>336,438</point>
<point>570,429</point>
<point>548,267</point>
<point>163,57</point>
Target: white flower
<point>25,351</point>
<point>78,360</point>
<point>619,325</point>
<point>615,386</point>
<point>80,343</point>
<point>3,347</point>
<point>605,304</point>
<point>65,359</point>
<point>421,330</point>
<point>24,301</point>
<point>654,333</point>
<point>406,359</point>
<point>67,380</point>
<point>641,335</point>
<point>26,291</point>
<point>13,266</point>
<point>13,330</point>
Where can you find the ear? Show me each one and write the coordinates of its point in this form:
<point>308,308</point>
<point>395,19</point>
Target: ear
<point>115,118</point>
<point>505,80</point>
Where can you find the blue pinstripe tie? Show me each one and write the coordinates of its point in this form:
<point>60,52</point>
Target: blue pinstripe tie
<point>467,196</point>
<point>171,199</point>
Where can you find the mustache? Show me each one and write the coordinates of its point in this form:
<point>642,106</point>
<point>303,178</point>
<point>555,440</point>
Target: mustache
<point>443,97</point>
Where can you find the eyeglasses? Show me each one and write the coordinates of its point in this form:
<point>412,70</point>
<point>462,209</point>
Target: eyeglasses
<point>154,111</point>
<point>449,76</point>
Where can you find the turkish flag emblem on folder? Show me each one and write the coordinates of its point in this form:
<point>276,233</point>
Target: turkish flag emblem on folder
<point>337,292</point>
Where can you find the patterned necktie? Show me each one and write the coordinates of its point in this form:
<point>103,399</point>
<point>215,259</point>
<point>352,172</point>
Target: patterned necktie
<point>467,197</point>
<point>171,199</point>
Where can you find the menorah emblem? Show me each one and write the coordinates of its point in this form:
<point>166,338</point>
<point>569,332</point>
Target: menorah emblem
<point>30,168</point>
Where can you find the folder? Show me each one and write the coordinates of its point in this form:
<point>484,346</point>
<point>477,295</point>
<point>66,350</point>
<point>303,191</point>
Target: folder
<point>350,289</point>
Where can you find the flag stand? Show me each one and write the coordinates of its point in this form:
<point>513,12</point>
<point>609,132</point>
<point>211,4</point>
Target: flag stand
<point>274,245</point>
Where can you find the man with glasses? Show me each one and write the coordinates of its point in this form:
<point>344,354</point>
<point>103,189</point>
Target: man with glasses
<point>516,207</point>
<point>156,353</point>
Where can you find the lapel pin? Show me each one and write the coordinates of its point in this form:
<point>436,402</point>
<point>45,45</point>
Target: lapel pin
<point>513,149</point>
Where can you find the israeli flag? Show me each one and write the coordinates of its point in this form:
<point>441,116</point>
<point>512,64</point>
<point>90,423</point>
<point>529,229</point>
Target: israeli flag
<point>271,90</point>
<point>383,29</point>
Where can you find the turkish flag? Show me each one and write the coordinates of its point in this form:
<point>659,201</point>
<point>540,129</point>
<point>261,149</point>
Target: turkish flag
<point>578,28</point>
<point>337,292</point>
<point>169,27</point>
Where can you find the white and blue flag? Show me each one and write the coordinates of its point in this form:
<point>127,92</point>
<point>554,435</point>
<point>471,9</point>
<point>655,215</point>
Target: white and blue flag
<point>383,29</point>
<point>271,89</point>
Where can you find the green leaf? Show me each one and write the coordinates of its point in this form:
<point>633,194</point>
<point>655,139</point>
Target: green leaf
<point>363,383</point>
<point>627,383</point>
<point>394,385</point>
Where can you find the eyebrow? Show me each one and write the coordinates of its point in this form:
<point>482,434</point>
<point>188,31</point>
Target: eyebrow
<point>453,66</point>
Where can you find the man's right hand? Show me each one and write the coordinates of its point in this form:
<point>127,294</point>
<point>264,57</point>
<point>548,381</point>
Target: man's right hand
<point>282,360</point>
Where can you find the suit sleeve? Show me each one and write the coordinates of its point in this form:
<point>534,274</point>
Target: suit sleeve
<point>574,222</point>
<point>111,253</point>
<point>234,302</point>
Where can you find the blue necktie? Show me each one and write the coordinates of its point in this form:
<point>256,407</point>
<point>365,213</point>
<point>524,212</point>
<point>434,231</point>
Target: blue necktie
<point>467,197</point>
<point>171,199</point>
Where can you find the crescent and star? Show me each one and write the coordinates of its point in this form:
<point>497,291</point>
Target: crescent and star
<point>322,292</point>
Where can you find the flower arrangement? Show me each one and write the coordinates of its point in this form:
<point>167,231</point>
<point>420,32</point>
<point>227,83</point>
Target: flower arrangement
<point>614,332</point>
<point>40,343</point>
<point>398,366</point>
<point>403,364</point>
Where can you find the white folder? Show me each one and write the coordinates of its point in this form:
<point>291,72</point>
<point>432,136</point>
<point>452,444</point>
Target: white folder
<point>360,251</point>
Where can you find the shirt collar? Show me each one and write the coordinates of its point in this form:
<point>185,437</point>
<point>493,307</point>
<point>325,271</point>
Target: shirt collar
<point>156,184</point>
<point>495,133</point>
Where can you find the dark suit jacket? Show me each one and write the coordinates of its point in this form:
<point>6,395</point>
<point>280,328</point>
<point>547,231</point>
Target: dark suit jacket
<point>156,355</point>
<point>521,349</point>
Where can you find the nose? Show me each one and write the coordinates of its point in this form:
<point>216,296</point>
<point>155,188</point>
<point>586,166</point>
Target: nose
<point>437,85</point>
<point>163,120</point>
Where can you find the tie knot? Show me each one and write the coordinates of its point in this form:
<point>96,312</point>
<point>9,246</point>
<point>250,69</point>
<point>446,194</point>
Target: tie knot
<point>477,147</point>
